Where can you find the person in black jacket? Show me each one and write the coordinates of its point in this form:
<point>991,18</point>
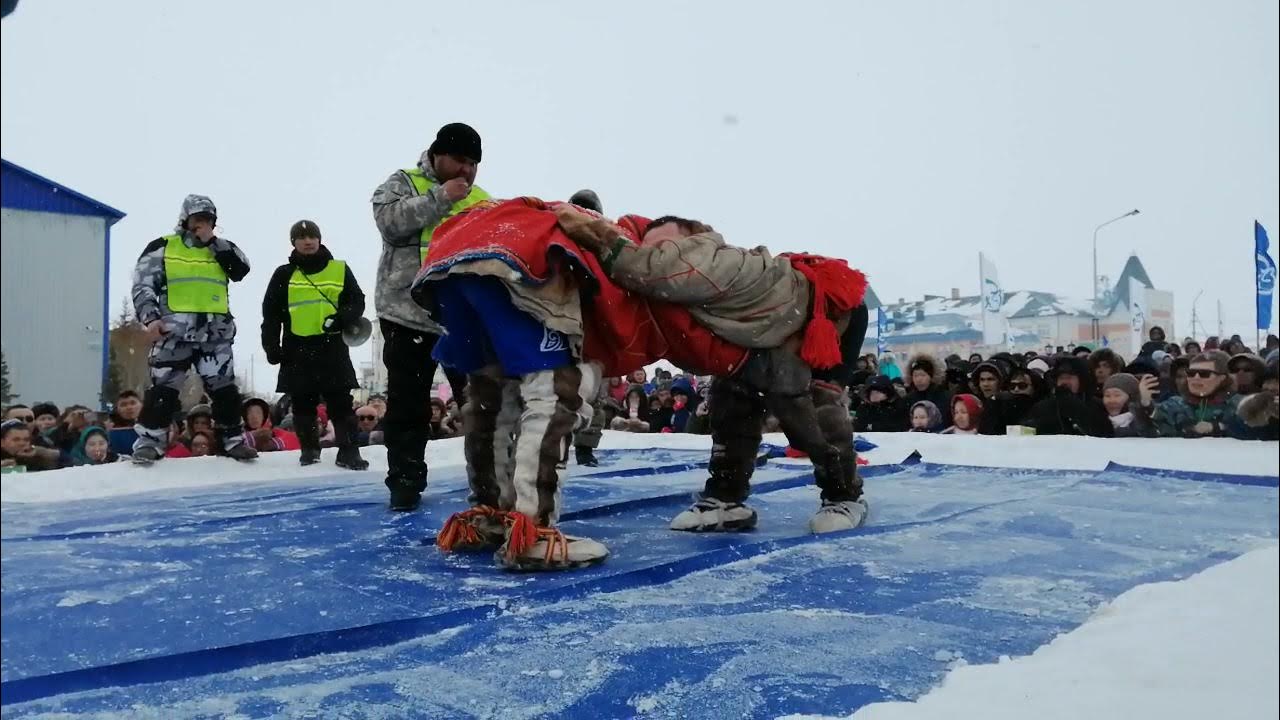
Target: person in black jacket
<point>926,380</point>
<point>1073,408</point>
<point>883,410</point>
<point>989,387</point>
<point>1026,388</point>
<point>309,301</point>
<point>1156,341</point>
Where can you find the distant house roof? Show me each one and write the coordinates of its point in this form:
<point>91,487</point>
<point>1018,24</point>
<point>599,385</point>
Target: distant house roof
<point>948,327</point>
<point>21,189</point>
<point>1132,269</point>
<point>1017,304</point>
<point>870,299</point>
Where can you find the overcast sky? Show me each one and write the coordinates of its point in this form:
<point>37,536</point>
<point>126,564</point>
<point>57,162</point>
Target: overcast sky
<point>906,137</point>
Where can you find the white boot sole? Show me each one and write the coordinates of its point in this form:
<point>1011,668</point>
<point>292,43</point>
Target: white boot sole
<point>829,522</point>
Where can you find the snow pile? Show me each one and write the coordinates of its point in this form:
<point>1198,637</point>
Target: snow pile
<point>1204,647</point>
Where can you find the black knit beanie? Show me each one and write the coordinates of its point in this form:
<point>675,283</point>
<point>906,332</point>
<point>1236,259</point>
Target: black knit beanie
<point>304,229</point>
<point>457,139</point>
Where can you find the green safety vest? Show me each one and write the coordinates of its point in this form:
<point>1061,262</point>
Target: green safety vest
<point>422,184</point>
<point>197,283</point>
<point>310,302</point>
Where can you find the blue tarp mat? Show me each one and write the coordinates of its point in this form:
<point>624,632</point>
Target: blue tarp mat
<point>276,600</point>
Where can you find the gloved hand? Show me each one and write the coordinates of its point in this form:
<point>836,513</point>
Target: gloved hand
<point>589,231</point>
<point>331,324</point>
<point>273,356</point>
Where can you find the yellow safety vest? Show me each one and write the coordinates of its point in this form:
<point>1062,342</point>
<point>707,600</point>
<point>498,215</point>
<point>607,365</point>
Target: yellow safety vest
<point>196,282</point>
<point>422,184</point>
<point>311,301</point>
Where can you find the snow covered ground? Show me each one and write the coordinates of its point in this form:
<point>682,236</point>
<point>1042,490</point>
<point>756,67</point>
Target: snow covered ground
<point>204,589</point>
<point>1204,647</point>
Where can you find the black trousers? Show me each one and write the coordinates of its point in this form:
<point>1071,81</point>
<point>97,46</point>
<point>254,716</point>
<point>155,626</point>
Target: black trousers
<point>407,354</point>
<point>407,425</point>
<point>338,402</point>
<point>777,381</point>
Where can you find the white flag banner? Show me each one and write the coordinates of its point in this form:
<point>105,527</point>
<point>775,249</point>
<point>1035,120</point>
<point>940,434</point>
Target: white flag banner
<point>1137,314</point>
<point>994,325</point>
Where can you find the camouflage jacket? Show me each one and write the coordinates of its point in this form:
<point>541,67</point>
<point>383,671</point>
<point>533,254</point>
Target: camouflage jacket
<point>1177,416</point>
<point>150,292</point>
<point>400,214</point>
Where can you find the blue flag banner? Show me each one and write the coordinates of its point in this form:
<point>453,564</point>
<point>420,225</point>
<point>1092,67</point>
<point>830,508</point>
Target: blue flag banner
<point>882,331</point>
<point>1266,275</point>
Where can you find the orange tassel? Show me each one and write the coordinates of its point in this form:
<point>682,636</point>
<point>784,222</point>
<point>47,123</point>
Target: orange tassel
<point>459,529</point>
<point>821,348</point>
<point>522,536</point>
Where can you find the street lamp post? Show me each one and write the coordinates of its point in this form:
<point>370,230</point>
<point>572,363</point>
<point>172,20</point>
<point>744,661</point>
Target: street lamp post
<point>1095,251</point>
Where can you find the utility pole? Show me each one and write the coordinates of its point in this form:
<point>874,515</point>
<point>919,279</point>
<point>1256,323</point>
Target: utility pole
<point>1195,318</point>
<point>1220,330</point>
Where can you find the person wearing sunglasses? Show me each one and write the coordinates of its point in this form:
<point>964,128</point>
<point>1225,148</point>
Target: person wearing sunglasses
<point>1208,407</point>
<point>308,303</point>
<point>366,425</point>
<point>1025,389</point>
<point>20,412</point>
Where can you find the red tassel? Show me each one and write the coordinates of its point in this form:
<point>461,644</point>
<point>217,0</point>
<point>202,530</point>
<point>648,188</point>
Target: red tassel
<point>821,347</point>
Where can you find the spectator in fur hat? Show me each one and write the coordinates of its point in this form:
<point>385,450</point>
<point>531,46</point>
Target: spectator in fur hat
<point>1104,363</point>
<point>1209,406</point>
<point>926,417</point>
<point>882,410</point>
<point>1247,370</point>
<point>46,421</point>
<point>1074,407</point>
<point>1261,411</point>
<point>926,381</point>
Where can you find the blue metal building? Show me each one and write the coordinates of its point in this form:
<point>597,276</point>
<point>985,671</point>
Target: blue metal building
<point>55,259</point>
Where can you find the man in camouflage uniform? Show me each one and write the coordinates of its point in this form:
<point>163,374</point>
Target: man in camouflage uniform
<point>407,208</point>
<point>180,295</point>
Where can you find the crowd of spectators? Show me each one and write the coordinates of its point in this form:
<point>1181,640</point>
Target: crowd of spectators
<point>1218,389</point>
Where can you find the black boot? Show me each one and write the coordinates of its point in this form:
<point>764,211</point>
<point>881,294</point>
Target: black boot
<point>344,432</point>
<point>586,457</point>
<point>349,458</point>
<point>308,438</point>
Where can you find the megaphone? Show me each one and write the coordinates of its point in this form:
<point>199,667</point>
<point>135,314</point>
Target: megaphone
<point>357,333</point>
